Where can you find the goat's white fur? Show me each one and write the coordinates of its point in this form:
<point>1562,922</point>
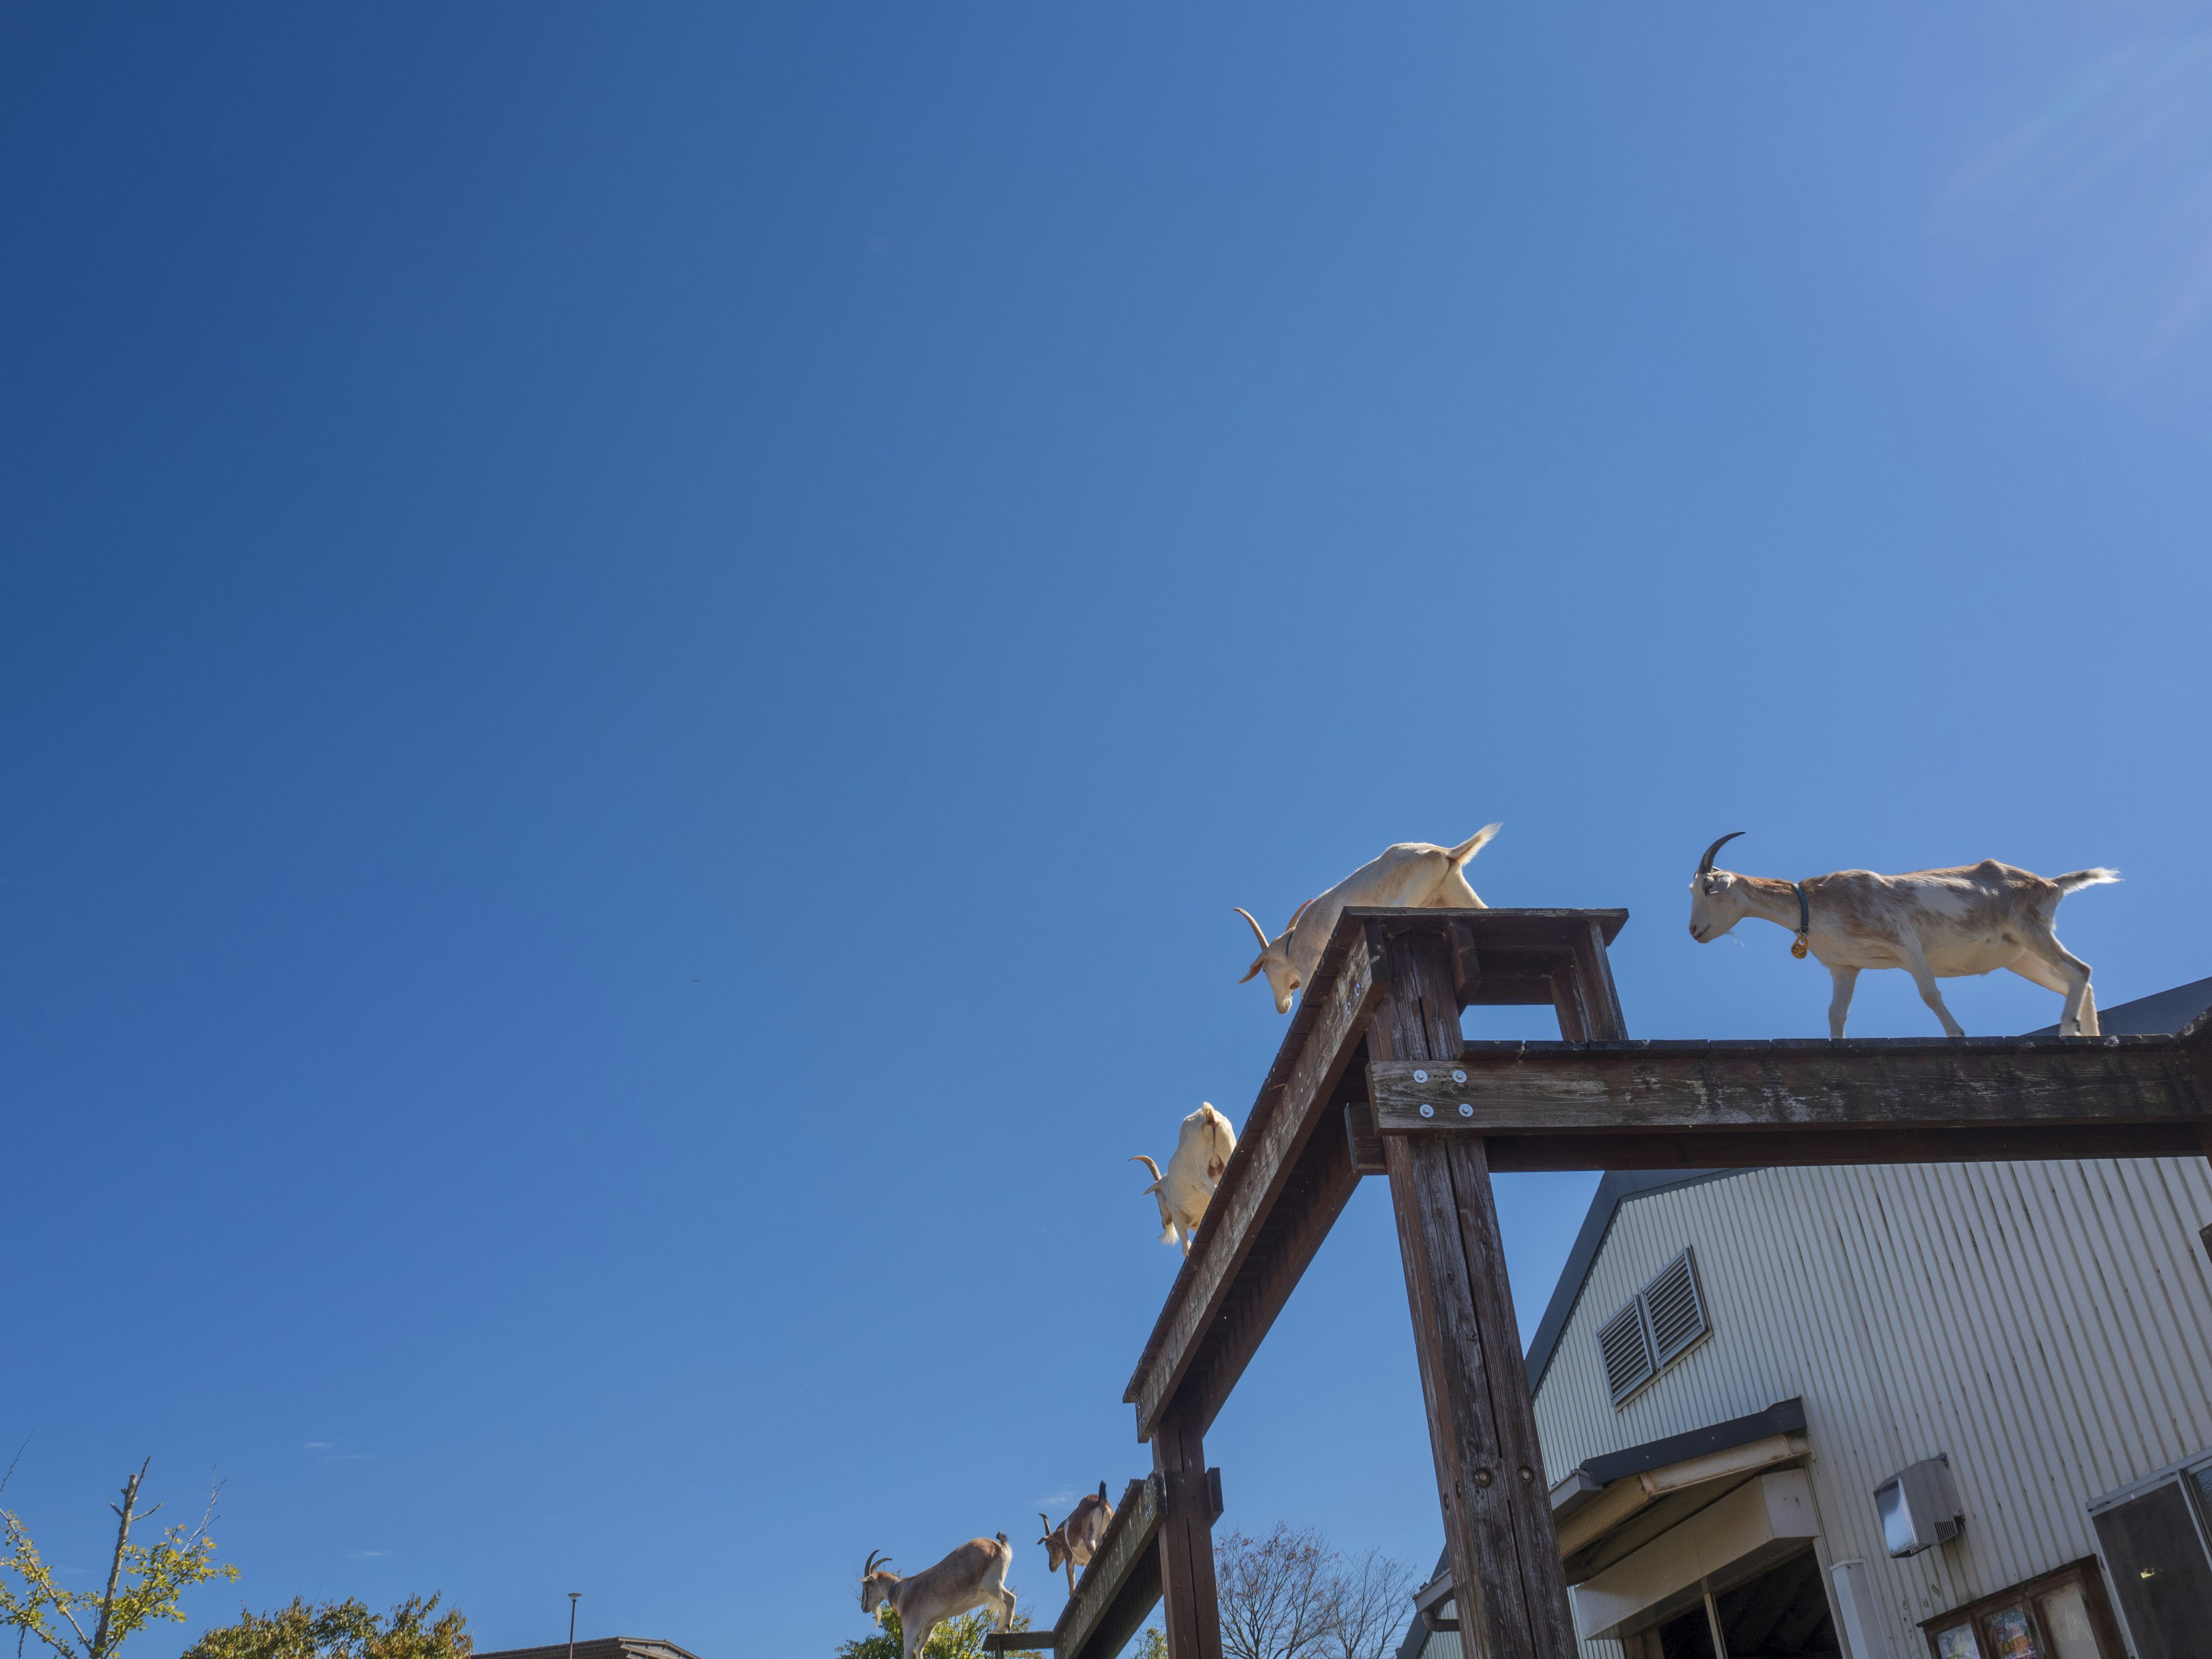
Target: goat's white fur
<point>1933,924</point>
<point>1071,1544</point>
<point>973,1576</point>
<point>1414,875</point>
<point>1201,1153</point>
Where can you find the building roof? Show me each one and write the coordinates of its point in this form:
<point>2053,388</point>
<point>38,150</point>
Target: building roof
<point>2150,1016</point>
<point>599,1647</point>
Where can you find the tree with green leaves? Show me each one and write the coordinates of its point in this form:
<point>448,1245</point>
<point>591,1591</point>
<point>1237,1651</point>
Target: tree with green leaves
<point>956,1639</point>
<point>144,1582</point>
<point>340,1629</point>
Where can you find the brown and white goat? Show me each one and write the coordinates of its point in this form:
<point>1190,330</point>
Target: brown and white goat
<point>1201,1153</point>
<point>973,1576</point>
<point>1071,1544</point>
<point>1933,924</point>
<point>1414,875</point>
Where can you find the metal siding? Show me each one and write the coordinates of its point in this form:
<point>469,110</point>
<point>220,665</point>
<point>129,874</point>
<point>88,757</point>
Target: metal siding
<point>2047,1325</point>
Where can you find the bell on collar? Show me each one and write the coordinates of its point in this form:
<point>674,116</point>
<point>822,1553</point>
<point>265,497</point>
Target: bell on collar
<point>1799,948</point>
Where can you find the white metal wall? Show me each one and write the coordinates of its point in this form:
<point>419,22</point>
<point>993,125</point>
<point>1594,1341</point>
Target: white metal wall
<point>2047,1325</point>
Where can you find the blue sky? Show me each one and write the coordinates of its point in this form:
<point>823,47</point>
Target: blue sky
<point>641,650</point>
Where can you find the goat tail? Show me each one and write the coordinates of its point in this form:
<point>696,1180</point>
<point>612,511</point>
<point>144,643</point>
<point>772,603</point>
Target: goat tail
<point>2074,880</point>
<point>1169,1235</point>
<point>1473,844</point>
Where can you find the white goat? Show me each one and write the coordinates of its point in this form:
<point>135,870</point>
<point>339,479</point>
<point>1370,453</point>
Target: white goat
<point>973,1576</point>
<point>1414,875</point>
<point>1072,1543</point>
<point>1201,1153</point>
<point>1933,924</point>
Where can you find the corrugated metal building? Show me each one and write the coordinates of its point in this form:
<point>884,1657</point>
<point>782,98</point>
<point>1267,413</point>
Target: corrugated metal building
<point>2018,1356</point>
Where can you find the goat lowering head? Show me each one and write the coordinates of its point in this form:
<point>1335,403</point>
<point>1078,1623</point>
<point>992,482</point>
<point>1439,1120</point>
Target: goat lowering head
<point>1716,899</point>
<point>1185,1188</point>
<point>1274,957</point>
<point>1055,1543</point>
<point>1158,1190</point>
<point>1414,875</point>
<point>876,1585</point>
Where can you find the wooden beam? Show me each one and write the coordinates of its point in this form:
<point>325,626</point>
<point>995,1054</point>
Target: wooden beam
<point>1364,1145</point>
<point>1190,1601</point>
<point>1558,1090</point>
<point>1118,1590</point>
<point>1283,1190</point>
<point>1760,1149</point>
<point>1511,1593</point>
<point>1290,1107</point>
<point>1017,1641</point>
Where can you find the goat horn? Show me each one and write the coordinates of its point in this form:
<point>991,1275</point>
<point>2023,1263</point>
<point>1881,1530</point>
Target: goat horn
<point>1705,863</point>
<point>1256,929</point>
<point>1148,1163</point>
<point>1046,1519</point>
<point>873,1563</point>
<point>1295,914</point>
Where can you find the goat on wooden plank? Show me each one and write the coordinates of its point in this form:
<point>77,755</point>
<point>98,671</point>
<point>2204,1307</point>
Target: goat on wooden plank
<point>1414,875</point>
<point>973,1576</point>
<point>1201,1153</point>
<point>1933,924</point>
<point>1072,1543</point>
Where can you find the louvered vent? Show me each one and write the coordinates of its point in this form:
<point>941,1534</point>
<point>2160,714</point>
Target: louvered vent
<point>1675,1310</point>
<point>1626,1349</point>
<point>1663,1323</point>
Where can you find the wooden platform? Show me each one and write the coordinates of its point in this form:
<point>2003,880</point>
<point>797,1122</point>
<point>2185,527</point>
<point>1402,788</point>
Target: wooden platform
<point>1373,1076</point>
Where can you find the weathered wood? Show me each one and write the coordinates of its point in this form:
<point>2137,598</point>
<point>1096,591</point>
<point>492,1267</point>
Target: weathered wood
<point>1511,1594</point>
<point>1465,960</point>
<point>1017,1641</point>
<point>1286,1242</point>
<point>1601,1017</point>
<point>1557,1089</point>
<point>1190,1601</point>
<point>1365,1145</point>
<point>1123,1568</point>
<point>1759,1149</point>
<point>1281,1123</point>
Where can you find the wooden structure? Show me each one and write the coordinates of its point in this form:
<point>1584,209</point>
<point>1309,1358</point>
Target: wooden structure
<point>1374,1077</point>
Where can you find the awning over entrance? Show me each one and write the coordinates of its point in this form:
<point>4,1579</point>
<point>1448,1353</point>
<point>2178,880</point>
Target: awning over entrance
<point>1608,1507</point>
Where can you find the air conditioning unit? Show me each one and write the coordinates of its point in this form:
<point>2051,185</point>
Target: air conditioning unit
<point>1919,1507</point>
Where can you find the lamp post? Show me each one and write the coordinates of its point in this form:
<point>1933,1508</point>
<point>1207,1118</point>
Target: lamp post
<point>572,1594</point>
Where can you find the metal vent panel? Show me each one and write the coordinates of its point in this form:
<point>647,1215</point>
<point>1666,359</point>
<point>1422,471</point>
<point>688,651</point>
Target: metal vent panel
<point>1625,1346</point>
<point>1674,1308</point>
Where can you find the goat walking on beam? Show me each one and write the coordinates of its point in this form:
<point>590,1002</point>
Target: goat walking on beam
<point>973,1576</point>
<point>1933,924</point>
<point>1201,1153</point>
<point>1414,875</point>
<point>1072,1542</point>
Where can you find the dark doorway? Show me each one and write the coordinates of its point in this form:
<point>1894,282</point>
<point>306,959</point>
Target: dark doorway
<point>1781,1614</point>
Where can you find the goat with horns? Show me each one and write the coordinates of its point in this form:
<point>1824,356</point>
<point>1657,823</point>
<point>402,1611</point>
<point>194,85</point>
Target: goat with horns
<point>1201,1153</point>
<point>1072,1543</point>
<point>973,1576</point>
<point>1933,924</point>
<point>1414,875</point>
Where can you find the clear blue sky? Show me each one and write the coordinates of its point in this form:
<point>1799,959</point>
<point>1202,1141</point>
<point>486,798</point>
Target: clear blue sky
<point>641,650</point>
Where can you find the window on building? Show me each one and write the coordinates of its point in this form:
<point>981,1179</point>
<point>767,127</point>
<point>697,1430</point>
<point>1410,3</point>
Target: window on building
<point>1658,1326</point>
<point>2154,1539</point>
<point>2061,1615</point>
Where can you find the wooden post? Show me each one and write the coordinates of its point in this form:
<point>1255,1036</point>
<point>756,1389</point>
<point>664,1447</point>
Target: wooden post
<point>1511,1594</point>
<point>1190,1605</point>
